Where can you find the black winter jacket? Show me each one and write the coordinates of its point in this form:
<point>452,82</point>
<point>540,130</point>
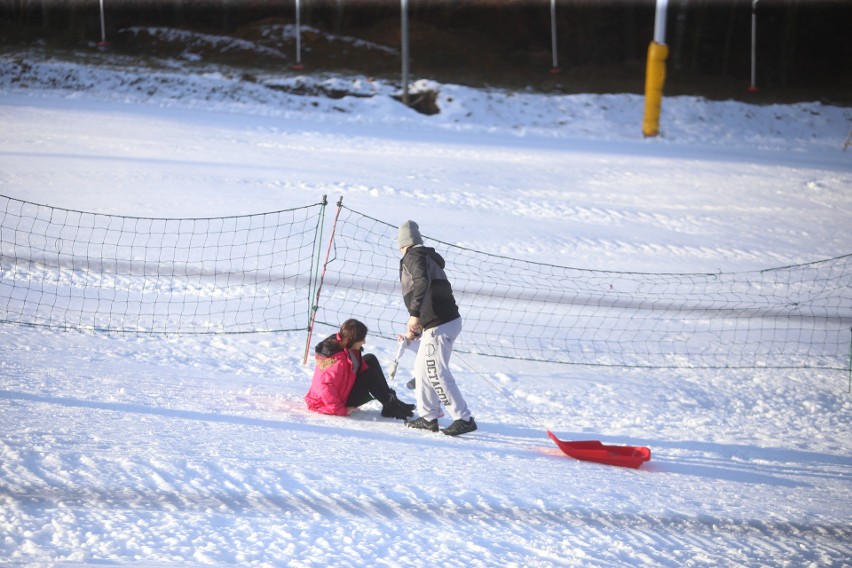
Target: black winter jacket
<point>425,288</point>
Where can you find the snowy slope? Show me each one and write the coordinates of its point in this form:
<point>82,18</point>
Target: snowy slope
<point>198,450</point>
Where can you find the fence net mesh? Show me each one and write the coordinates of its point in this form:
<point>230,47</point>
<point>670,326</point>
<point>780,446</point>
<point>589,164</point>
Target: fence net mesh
<point>68,269</point>
<point>791,317</point>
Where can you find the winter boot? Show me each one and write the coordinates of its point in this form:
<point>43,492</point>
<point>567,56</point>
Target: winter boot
<point>423,424</point>
<point>408,406</point>
<point>460,427</point>
<point>395,408</point>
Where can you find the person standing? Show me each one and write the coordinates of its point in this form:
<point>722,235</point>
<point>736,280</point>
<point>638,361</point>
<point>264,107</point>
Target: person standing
<point>433,318</point>
<point>345,377</point>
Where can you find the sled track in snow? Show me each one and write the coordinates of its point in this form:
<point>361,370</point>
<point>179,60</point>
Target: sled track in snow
<point>708,535</point>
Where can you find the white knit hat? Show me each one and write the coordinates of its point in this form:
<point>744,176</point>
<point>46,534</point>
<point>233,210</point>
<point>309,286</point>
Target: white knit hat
<point>409,234</point>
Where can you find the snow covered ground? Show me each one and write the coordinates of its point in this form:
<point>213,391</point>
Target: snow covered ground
<point>198,450</point>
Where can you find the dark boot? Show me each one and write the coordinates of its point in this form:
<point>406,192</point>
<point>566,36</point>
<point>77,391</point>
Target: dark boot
<point>395,408</point>
<point>405,404</point>
<point>423,424</point>
<point>459,427</point>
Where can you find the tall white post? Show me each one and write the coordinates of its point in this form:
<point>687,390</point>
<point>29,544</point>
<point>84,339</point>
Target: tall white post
<point>753,86</point>
<point>298,64</point>
<point>404,24</point>
<point>660,22</point>
<point>103,41</point>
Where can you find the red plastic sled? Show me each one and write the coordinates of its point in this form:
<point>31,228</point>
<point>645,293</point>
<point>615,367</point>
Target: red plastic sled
<point>594,451</point>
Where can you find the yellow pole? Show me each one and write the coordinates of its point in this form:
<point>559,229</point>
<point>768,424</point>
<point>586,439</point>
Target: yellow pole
<point>655,78</point>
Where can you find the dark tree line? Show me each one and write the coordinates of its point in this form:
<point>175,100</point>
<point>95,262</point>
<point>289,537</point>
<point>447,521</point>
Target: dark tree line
<point>800,43</point>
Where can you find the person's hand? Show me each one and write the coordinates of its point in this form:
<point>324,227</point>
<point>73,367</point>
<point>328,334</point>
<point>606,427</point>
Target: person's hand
<point>414,328</point>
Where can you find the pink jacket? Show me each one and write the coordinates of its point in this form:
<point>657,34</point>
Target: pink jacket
<point>332,382</point>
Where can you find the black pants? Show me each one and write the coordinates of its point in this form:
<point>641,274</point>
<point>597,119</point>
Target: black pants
<point>369,384</point>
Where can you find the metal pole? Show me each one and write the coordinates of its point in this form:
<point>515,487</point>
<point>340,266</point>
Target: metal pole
<point>660,22</point>
<point>555,68</point>
<point>315,307</point>
<point>298,64</point>
<point>404,24</point>
<point>316,256</point>
<point>103,41</point>
<point>753,87</point>
<point>655,73</point>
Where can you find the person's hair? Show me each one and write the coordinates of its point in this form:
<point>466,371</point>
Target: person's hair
<point>351,332</point>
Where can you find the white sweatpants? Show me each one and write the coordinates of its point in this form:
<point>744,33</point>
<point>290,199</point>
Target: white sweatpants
<point>436,385</point>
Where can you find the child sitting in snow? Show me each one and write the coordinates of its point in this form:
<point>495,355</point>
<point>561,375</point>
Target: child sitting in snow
<point>345,378</point>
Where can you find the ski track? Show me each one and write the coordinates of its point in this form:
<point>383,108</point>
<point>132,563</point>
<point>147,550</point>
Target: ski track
<point>240,521</point>
<point>150,462</point>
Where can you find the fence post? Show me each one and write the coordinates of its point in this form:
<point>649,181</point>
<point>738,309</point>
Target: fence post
<point>753,87</point>
<point>404,34</point>
<point>555,69</point>
<point>315,257</point>
<point>298,65</point>
<point>103,42</point>
<point>315,306</point>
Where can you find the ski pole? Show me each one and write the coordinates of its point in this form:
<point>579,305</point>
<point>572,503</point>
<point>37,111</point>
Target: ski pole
<point>393,367</point>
